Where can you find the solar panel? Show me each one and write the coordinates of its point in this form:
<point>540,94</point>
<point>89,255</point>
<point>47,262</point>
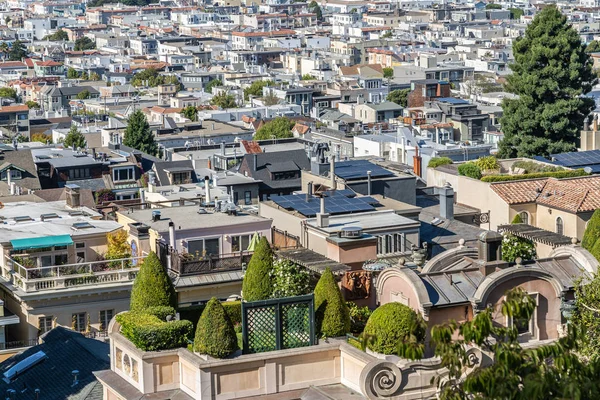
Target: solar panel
<point>357,169</point>
<point>336,203</point>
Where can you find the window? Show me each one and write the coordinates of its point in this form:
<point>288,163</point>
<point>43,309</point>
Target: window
<point>527,328</point>
<point>123,174</point>
<point>204,247</point>
<point>178,178</point>
<point>524,217</point>
<point>45,324</point>
<point>389,244</point>
<point>240,243</point>
<point>247,197</point>
<point>105,317</point>
<point>79,321</point>
<point>79,173</point>
<point>14,174</point>
<point>559,226</point>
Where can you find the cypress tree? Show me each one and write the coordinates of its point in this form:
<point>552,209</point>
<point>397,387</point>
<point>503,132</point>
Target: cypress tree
<point>138,134</point>
<point>215,334</point>
<point>592,233</point>
<point>331,312</point>
<point>152,286</point>
<point>257,284</point>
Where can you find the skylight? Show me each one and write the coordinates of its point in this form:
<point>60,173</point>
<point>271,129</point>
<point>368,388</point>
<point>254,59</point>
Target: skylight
<point>24,365</point>
<point>23,218</point>
<point>82,225</point>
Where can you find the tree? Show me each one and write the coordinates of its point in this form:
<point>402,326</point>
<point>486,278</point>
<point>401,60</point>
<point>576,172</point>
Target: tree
<point>591,236</point>
<point>138,134</point>
<point>331,312</point>
<point>5,49</point>
<point>514,247</point>
<point>84,43</point>
<point>152,286</point>
<point>593,47</point>
<point>224,100</point>
<point>492,6</point>
<point>117,247</point>
<point>256,89</point>
<point>289,279</point>
<point>257,283</point>
<point>72,73</point>
<point>215,335</point>
<point>190,112</point>
<point>17,51</point>
<point>587,307</point>
<point>57,36</point>
<point>94,77</point>
<point>148,77</point>
<point>316,8</point>
<point>84,76</point>
<point>399,97</point>
<point>41,137</point>
<point>551,74</point>
<point>279,128</point>
<point>84,94</point>
<point>8,93</point>
<point>213,83</point>
<point>270,99</point>
<point>387,35</point>
<point>307,77</point>
<point>74,138</point>
<point>516,13</point>
<point>388,73</point>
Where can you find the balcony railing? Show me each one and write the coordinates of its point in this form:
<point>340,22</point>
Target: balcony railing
<point>186,265</point>
<point>70,275</point>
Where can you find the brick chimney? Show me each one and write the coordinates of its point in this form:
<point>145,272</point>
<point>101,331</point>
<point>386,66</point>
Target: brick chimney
<point>417,162</point>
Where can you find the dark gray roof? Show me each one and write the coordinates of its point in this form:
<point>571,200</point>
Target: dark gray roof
<point>72,91</point>
<point>538,235</point>
<point>65,351</point>
<point>445,236</point>
<point>164,166</point>
<point>93,184</point>
<point>313,261</point>
<point>276,162</point>
<point>23,159</point>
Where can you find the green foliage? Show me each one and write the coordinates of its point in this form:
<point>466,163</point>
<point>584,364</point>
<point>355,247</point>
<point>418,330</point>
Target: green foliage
<point>388,73</point>
<point>399,97</point>
<point>487,163</point>
<point>387,35</point>
<point>152,286</point>
<point>190,112</point>
<point>33,105</point>
<point>289,279</point>
<point>587,302</point>
<point>224,100</point>
<point>72,73</point>
<point>314,7</point>
<point>57,36</point>
<point>148,77</point>
<point>279,128</point>
<point>117,246</point>
<point>84,94</point>
<point>391,324</point>
<point>517,219</point>
<point>41,137</point>
<point>17,52</point>
<point>516,13</point>
<point>104,196</point>
<point>307,77</point>
<point>591,236</point>
<point>514,246</point>
<point>256,89</point>
<point>232,308</point>
<point>138,135</point>
<point>74,138</point>
<point>149,332</point>
<point>532,167</point>
<point>94,77</point>
<point>84,75</point>
<point>213,83</point>
<point>492,6</point>
<point>8,93</point>
<point>593,47</point>
<point>358,317</point>
<point>257,284</point>
<point>558,174</point>
<point>84,43</point>
<point>438,161</point>
<point>215,335</point>
<point>551,74</point>
<point>331,313</point>
<point>469,169</point>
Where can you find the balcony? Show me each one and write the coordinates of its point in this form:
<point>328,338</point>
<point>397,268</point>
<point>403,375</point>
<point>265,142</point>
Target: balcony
<point>186,264</point>
<point>38,279</point>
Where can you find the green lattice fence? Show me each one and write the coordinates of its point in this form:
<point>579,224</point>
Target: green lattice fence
<point>277,324</point>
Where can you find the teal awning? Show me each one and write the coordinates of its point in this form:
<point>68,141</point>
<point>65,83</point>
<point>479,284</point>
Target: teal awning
<point>40,242</point>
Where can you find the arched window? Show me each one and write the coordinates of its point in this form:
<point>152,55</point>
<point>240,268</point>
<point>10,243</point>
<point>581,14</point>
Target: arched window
<point>524,217</point>
<point>559,226</point>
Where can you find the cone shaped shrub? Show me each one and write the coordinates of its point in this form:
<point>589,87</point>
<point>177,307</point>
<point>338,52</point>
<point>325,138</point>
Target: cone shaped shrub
<point>592,232</point>
<point>331,312</point>
<point>215,335</point>
<point>392,324</point>
<point>152,286</point>
<point>257,283</point>
<point>517,219</point>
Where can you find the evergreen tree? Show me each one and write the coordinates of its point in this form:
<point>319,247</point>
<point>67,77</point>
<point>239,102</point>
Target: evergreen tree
<point>224,100</point>
<point>84,43</point>
<point>331,312</point>
<point>314,7</point>
<point>257,284</point>
<point>74,138</point>
<point>57,36</point>
<point>17,51</point>
<point>152,286</point>
<point>593,47</point>
<point>190,112</point>
<point>388,73</point>
<point>399,97</point>
<point>72,73</point>
<point>591,236</point>
<point>551,74</point>
<point>8,93</point>
<point>279,128</point>
<point>210,85</point>
<point>138,134</point>
<point>84,94</point>
<point>256,89</point>
<point>215,334</point>
<point>94,76</point>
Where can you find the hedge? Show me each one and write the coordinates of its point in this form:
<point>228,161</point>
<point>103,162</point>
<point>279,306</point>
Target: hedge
<point>152,286</point>
<point>331,312</point>
<point>532,167</point>
<point>257,283</point>
<point>391,324</point>
<point>232,308</point>
<point>592,232</point>
<point>438,161</point>
<point>215,334</point>
<point>469,169</point>
<point>557,174</point>
<point>149,333</point>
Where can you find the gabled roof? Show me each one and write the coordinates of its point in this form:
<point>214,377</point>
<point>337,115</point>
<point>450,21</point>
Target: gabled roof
<point>279,161</point>
<point>161,169</point>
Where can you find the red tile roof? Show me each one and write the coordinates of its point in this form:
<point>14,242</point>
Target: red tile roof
<point>251,147</point>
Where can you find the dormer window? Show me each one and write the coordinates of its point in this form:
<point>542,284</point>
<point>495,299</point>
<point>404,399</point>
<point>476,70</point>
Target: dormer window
<point>14,175</point>
<point>123,174</point>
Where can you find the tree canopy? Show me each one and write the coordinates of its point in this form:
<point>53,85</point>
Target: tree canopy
<point>314,7</point>
<point>148,77</point>
<point>551,74</point>
<point>388,72</point>
<point>84,94</point>
<point>74,138</point>
<point>8,93</point>
<point>152,286</point>
<point>224,100</point>
<point>279,128</point>
<point>190,112</point>
<point>256,89</point>
<point>593,46</point>
<point>17,52</point>
<point>211,84</point>
<point>492,6</point>
<point>399,97</point>
<point>84,43</point>
<point>59,35</point>
<point>138,134</point>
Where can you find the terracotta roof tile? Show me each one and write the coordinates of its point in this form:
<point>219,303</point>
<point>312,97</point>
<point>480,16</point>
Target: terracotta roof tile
<point>251,147</point>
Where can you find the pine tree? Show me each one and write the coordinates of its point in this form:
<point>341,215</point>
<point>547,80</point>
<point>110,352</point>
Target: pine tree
<point>138,134</point>
<point>190,112</point>
<point>215,334</point>
<point>74,138</point>
<point>152,286</point>
<point>551,74</point>
<point>331,312</point>
<point>17,51</point>
<point>257,284</point>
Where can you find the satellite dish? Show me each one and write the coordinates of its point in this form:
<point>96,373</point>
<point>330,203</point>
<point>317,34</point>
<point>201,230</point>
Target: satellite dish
<point>588,170</point>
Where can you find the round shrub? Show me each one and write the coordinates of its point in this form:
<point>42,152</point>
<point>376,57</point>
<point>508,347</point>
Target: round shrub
<point>257,284</point>
<point>390,325</point>
<point>331,313</point>
<point>438,161</point>
<point>152,286</point>
<point>487,163</point>
<point>469,169</point>
<point>215,334</point>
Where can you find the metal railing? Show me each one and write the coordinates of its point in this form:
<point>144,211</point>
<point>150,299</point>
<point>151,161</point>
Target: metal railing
<point>209,264</point>
<point>18,344</point>
<point>70,275</point>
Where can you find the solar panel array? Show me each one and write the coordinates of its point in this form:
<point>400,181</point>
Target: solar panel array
<point>335,203</point>
<point>578,159</point>
<point>357,169</point>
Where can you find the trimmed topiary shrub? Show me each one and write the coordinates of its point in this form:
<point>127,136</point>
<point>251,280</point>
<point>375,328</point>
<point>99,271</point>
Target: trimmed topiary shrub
<point>215,335</point>
<point>149,333</point>
<point>392,324</point>
<point>592,232</point>
<point>232,308</point>
<point>438,161</point>
<point>331,313</point>
<point>558,175</point>
<point>152,286</point>
<point>517,219</point>
<point>469,169</point>
<point>257,284</point>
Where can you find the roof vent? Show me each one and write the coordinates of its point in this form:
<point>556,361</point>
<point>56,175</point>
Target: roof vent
<point>350,232</point>
<point>49,216</point>
<point>23,366</point>
<point>23,218</point>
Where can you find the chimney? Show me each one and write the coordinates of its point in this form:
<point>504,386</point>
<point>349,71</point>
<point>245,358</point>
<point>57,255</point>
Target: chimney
<point>489,246</point>
<point>332,172</point>
<point>595,123</point>
<point>72,192</point>
<point>309,189</point>
<point>417,162</point>
<point>9,182</point>
<point>207,189</point>
<point>369,183</point>
<point>151,181</point>
<point>322,217</point>
<point>142,197</point>
<point>155,216</point>
<point>172,234</point>
<point>255,156</point>
<point>223,148</point>
<point>446,201</point>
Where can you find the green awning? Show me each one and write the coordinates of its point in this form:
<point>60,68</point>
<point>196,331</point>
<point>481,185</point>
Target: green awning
<point>40,242</point>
